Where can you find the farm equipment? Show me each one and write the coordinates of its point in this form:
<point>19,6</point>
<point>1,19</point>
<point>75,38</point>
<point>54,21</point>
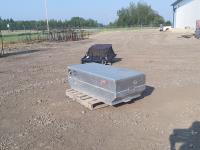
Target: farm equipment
<point>197,32</point>
<point>99,53</point>
<point>108,84</point>
<point>165,28</point>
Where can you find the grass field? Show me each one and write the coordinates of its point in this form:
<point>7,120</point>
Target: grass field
<point>18,37</point>
<point>128,28</point>
<point>31,35</point>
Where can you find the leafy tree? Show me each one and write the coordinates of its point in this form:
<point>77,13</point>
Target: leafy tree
<point>54,24</point>
<point>168,23</point>
<point>139,14</point>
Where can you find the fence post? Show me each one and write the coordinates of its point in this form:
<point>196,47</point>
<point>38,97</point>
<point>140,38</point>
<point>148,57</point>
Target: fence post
<point>2,48</point>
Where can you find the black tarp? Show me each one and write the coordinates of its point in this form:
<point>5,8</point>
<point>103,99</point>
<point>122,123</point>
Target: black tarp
<point>101,50</point>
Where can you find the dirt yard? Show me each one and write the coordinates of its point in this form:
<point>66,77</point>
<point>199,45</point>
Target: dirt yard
<point>35,113</point>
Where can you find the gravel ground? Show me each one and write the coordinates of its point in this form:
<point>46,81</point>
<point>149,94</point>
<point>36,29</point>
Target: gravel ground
<point>35,114</point>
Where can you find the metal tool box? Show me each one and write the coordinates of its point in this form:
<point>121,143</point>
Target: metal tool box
<point>109,84</point>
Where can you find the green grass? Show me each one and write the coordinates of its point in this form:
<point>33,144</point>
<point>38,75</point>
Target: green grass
<point>6,32</point>
<point>22,37</point>
<point>28,36</point>
<point>127,29</point>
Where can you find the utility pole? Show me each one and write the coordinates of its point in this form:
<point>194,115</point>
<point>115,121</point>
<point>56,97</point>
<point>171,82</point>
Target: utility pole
<point>46,11</point>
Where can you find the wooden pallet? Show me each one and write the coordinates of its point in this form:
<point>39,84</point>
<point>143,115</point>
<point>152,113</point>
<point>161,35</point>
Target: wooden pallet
<point>85,100</point>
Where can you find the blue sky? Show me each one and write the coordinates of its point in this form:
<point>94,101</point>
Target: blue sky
<point>102,10</point>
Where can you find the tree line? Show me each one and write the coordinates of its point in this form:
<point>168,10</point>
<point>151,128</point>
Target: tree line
<point>140,14</point>
<point>75,22</point>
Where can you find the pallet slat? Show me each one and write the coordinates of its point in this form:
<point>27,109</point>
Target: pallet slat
<point>85,100</point>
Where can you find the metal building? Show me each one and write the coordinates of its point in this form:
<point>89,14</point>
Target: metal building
<point>186,13</point>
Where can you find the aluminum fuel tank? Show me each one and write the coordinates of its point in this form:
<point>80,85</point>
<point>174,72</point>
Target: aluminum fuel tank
<point>109,84</point>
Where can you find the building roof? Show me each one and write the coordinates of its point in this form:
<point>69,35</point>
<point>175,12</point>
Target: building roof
<point>176,2</point>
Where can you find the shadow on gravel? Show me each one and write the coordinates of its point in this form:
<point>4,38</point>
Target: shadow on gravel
<point>19,53</point>
<point>115,60</point>
<point>149,90</point>
<point>188,139</point>
<point>187,36</point>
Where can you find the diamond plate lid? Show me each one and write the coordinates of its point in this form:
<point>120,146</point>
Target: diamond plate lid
<point>110,72</point>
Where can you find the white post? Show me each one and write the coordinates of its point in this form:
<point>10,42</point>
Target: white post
<point>46,15</point>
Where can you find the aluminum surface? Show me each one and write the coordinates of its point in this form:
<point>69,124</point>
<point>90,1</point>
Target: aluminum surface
<point>109,84</point>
